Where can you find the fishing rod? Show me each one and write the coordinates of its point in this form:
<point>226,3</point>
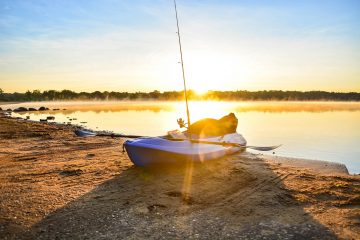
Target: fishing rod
<point>85,133</point>
<point>182,67</point>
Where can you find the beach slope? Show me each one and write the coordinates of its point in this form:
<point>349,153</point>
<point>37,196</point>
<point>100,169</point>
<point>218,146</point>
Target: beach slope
<point>54,185</point>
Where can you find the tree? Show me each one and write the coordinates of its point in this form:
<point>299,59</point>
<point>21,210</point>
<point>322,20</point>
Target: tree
<point>154,94</point>
<point>97,95</point>
<point>36,95</point>
<point>2,95</point>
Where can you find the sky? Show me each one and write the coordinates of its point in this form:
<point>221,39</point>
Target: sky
<point>118,45</point>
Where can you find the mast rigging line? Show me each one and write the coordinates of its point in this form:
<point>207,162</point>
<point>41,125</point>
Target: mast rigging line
<point>182,67</point>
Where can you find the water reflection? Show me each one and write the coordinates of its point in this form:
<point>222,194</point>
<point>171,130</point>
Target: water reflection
<point>259,106</point>
<point>315,130</point>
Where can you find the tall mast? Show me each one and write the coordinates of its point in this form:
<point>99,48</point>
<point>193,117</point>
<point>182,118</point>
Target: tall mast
<point>182,67</point>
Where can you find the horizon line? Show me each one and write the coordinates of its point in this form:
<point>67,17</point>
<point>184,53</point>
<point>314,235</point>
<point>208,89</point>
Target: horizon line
<point>189,90</point>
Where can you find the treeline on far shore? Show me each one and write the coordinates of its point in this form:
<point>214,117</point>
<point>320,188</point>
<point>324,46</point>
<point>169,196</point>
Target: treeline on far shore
<point>53,95</point>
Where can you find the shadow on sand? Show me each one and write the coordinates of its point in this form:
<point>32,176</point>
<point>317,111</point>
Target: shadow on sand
<point>237,197</point>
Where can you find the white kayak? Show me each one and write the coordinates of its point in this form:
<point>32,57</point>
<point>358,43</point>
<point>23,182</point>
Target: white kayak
<point>158,150</point>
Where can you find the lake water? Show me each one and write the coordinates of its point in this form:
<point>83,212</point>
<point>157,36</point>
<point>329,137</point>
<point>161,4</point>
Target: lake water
<point>314,130</point>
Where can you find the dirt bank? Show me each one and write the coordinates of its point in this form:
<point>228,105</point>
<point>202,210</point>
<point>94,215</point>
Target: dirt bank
<point>54,185</point>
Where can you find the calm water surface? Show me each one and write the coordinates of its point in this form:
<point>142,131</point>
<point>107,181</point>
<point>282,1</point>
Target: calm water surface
<point>315,130</point>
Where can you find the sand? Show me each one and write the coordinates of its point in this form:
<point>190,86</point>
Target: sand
<point>54,185</point>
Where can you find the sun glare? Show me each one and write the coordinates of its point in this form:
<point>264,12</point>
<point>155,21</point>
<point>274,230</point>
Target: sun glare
<point>207,109</point>
<point>200,91</point>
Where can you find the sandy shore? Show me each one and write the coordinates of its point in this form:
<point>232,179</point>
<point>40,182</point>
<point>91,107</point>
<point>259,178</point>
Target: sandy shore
<point>54,185</point>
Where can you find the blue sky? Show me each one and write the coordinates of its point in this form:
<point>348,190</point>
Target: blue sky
<point>132,45</point>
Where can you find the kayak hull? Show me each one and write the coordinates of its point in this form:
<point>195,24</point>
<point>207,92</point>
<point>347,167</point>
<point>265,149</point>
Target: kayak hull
<point>151,151</point>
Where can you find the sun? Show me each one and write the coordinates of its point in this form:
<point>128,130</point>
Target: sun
<point>201,91</point>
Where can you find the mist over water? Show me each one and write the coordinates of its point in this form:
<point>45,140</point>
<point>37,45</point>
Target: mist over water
<point>314,130</point>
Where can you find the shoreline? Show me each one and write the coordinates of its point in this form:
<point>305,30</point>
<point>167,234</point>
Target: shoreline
<point>319,166</point>
<point>71,187</point>
<point>323,166</point>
